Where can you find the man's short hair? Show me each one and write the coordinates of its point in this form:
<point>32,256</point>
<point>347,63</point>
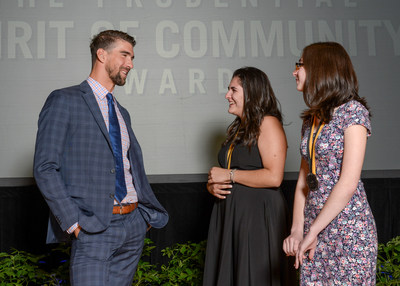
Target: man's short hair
<point>106,39</point>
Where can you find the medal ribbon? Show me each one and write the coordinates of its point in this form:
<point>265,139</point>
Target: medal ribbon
<point>311,144</point>
<point>229,155</point>
<point>230,151</point>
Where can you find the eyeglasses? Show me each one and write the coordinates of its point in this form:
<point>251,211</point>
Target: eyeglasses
<point>298,65</point>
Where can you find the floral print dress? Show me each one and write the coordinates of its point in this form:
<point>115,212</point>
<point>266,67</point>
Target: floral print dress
<point>347,248</point>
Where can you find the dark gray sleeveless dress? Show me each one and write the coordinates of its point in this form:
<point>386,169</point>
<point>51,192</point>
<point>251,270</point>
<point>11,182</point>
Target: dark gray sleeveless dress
<point>246,232</point>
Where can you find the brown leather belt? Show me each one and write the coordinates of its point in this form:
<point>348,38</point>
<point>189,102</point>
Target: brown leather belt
<point>125,208</point>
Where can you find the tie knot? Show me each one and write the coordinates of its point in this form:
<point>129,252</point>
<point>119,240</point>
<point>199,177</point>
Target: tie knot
<point>109,97</point>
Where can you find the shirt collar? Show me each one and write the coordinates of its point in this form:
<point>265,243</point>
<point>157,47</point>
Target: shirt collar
<point>99,91</point>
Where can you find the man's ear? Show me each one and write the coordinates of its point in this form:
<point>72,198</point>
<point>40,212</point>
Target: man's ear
<point>101,55</point>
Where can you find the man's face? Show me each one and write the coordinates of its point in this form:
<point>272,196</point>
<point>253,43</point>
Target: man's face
<point>119,61</point>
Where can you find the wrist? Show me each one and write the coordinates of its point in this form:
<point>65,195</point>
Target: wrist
<point>313,231</point>
<point>297,229</point>
<point>232,175</point>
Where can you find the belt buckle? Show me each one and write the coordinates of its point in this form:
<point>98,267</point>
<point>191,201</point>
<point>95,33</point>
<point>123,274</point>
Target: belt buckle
<point>120,209</point>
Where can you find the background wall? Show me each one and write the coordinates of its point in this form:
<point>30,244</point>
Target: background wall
<point>185,54</point>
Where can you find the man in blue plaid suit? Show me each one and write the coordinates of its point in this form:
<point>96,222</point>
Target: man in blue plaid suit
<point>75,169</point>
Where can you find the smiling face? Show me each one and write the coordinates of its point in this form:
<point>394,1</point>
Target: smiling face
<point>119,61</point>
<point>300,75</point>
<point>235,97</point>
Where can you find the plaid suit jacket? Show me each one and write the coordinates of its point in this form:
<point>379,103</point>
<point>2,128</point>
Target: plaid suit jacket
<point>74,165</point>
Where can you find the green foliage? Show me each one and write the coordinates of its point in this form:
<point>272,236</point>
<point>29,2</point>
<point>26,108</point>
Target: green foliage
<point>388,264</point>
<point>21,268</point>
<point>146,273</point>
<point>184,268</point>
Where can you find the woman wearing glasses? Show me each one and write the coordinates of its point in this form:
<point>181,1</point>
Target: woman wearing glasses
<point>333,234</point>
<point>249,219</point>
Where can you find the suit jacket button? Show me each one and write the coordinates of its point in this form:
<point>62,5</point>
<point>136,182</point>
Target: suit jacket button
<point>112,171</point>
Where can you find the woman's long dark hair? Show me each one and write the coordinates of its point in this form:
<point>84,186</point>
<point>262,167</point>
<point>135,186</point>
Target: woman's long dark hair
<point>330,80</point>
<point>259,101</point>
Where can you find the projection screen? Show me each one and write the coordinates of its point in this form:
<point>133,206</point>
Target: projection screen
<point>185,54</point>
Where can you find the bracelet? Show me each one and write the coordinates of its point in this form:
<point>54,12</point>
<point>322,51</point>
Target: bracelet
<point>232,175</point>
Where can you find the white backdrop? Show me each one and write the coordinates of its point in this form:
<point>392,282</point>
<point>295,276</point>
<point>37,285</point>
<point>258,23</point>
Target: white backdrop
<point>185,54</point>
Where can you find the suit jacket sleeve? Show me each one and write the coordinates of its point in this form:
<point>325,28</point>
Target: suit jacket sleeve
<point>49,149</point>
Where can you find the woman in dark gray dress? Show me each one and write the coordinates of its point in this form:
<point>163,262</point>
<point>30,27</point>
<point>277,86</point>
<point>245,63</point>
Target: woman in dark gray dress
<point>249,219</point>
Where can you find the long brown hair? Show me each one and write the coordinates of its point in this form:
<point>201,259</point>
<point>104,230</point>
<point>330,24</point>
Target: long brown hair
<point>259,101</point>
<point>330,80</point>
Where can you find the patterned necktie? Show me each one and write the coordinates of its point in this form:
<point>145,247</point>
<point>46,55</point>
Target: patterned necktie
<point>115,136</point>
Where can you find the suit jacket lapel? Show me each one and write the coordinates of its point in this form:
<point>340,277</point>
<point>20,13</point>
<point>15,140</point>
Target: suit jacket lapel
<point>90,100</point>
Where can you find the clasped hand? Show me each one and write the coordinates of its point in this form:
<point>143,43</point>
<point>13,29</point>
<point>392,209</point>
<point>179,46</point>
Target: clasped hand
<point>295,245</point>
<point>218,183</point>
